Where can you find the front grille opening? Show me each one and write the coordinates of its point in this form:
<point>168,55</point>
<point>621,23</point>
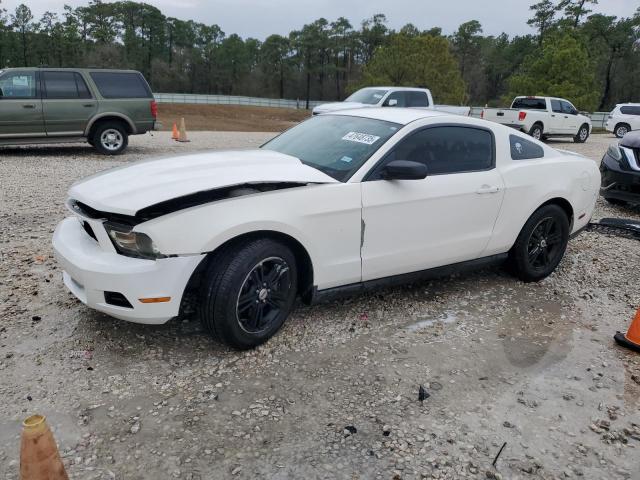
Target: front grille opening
<point>117,299</point>
<point>89,230</point>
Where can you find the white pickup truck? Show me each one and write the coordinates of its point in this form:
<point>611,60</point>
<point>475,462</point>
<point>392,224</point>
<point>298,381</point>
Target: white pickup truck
<point>542,117</point>
<point>391,97</point>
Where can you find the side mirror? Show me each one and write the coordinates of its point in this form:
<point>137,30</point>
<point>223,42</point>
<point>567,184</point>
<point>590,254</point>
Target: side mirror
<point>391,102</point>
<point>404,170</point>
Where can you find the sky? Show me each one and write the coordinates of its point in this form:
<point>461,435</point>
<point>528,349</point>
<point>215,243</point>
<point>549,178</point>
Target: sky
<point>260,18</point>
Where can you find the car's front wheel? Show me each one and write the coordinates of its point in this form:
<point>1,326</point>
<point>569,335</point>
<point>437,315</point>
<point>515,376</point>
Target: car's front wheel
<point>110,138</point>
<point>582,135</point>
<point>541,244</point>
<point>248,292</point>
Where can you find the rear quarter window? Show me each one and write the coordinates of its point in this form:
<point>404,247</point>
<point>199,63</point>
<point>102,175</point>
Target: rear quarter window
<point>630,110</point>
<point>523,149</point>
<point>121,85</point>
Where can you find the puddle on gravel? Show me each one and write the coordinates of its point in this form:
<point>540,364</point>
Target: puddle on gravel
<point>444,318</point>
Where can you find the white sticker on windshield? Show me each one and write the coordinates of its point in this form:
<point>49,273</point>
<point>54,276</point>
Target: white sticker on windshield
<point>346,159</point>
<point>361,138</point>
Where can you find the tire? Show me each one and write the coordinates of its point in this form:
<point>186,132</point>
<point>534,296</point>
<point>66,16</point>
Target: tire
<point>536,131</point>
<point>615,201</point>
<point>110,138</point>
<point>582,135</point>
<point>534,256</point>
<point>621,130</point>
<point>238,303</point>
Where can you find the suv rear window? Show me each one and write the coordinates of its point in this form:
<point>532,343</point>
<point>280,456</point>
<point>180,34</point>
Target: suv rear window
<point>630,110</point>
<point>530,103</point>
<point>121,85</point>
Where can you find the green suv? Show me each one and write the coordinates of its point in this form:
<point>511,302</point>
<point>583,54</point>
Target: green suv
<point>56,105</point>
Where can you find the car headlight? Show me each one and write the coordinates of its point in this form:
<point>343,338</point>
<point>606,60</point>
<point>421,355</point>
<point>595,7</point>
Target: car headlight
<point>132,244</point>
<point>615,152</point>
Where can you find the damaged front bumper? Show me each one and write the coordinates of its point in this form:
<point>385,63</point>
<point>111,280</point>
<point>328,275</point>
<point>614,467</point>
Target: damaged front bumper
<point>94,275</point>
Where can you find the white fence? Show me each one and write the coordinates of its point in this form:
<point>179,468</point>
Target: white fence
<point>597,118</point>
<point>231,100</point>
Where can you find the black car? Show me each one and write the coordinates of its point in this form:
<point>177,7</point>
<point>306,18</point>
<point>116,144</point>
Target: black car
<point>620,170</point>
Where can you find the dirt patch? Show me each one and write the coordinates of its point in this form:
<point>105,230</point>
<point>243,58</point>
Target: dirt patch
<point>230,118</point>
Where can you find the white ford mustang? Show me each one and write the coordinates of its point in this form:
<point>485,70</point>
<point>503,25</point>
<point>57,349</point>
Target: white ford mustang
<point>339,203</point>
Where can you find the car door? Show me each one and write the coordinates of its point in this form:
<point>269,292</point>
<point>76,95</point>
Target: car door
<point>556,118</point>
<point>630,114</point>
<point>448,217</point>
<point>67,103</point>
<point>20,105</point>
<point>570,114</point>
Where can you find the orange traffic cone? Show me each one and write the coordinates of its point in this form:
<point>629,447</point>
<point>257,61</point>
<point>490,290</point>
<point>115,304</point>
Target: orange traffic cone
<point>632,338</point>
<point>174,132</point>
<point>39,457</point>
<point>182,137</point>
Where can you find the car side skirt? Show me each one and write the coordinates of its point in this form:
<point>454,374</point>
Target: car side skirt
<point>330,294</point>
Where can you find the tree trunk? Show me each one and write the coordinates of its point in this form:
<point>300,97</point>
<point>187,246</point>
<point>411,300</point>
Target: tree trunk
<point>607,84</point>
<point>281,80</point>
<point>308,93</point>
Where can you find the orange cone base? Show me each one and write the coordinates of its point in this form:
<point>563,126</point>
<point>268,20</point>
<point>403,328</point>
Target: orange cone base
<point>623,341</point>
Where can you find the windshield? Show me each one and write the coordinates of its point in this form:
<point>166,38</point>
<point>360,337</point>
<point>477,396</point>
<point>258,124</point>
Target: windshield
<point>337,145</point>
<point>368,96</point>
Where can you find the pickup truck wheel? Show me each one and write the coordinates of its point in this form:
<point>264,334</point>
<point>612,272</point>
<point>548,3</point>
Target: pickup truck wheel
<point>582,135</point>
<point>249,292</point>
<point>536,131</point>
<point>110,138</point>
<point>541,244</point>
<point>621,130</point>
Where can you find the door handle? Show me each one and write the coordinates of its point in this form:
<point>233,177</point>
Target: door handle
<point>29,105</point>
<point>89,105</point>
<point>487,189</point>
<point>553,116</point>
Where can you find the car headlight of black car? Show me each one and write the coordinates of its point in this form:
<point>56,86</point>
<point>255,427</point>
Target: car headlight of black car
<point>132,244</point>
<point>615,152</point>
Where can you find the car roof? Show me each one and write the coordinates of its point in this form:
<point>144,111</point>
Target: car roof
<point>419,89</point>
<point>402,116</point>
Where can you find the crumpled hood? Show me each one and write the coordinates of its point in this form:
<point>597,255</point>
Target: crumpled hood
<point>334,107</point>
<point>126,190</point>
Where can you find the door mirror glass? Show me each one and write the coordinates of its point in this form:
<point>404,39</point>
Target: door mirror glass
<point>404,170</point>
<point>392,102</point>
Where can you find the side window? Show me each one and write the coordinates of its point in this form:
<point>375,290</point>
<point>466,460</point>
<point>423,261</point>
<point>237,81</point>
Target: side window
<point>18,85</point>
<point>64,85</point>
<point>556,106</point>
<point>83,90</point>
<point>523,149</point>
<point>445,150</point>
<point>121,85</point>
<point>417,99</point>
<point>568,108</point>
<point>630,110</point>
<point>398,97</point>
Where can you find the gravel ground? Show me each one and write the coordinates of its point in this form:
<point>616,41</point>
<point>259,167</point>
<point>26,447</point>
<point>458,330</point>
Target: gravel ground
<point>335,393</point>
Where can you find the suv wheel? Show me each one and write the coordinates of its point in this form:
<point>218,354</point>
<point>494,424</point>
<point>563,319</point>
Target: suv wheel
<point>536,131</point>
<point>541,244</point>
<point>582,135</point>
<point>110,138</point>
<point>248,293</point>
<point>621,130</point>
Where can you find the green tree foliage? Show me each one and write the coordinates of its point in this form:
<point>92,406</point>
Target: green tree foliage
<point>417,60</point>
<point>563,69</point>
<point>327,59</point>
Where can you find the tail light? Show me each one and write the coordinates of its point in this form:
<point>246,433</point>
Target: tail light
<point>154,109</point>
<point>522,116</point>
<point>482,114</point>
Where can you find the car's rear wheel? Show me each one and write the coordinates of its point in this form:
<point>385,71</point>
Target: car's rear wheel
<point>541,244</point>
<point>621,130</point>
<point>536,131</point>
<point>248,292</point>
<point>582,135</point>
<point>110,138</point>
